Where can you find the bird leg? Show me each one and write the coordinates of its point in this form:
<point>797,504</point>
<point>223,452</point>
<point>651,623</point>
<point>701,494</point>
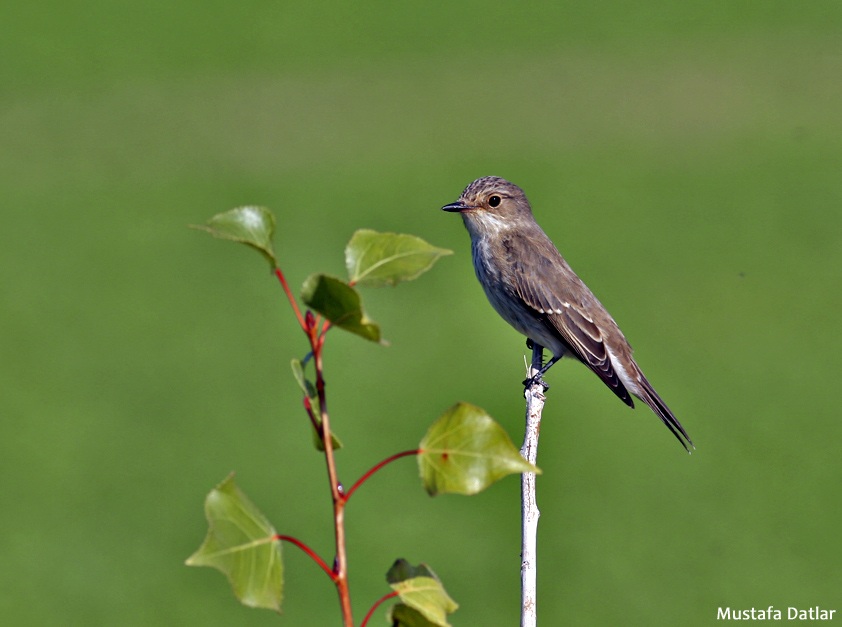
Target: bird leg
<point>538,377</point>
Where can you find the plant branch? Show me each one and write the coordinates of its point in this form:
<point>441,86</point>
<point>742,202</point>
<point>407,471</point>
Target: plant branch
<point>377,467</point>
<point>377,604</point>
<point>325,329</point>
<point>529,507</point>
<point>308,407</point>
<point>290,297</point>
<point>310,552</point>
<point>340,567</point>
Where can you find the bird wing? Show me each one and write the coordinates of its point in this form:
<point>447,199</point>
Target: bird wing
<point>565,314</point>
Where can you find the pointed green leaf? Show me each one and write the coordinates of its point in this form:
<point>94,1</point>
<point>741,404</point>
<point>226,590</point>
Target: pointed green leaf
<point>310,391</point>
<point>378,259</point>
<point>341,304</point>
<point>402,570</point>
<point>304,383</point>
<point>465,451</point>
<point>420,589</point>
<point>253,226</point>
<point>241,544</point>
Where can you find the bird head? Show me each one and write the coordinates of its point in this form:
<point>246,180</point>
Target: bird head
<point>490,204</point>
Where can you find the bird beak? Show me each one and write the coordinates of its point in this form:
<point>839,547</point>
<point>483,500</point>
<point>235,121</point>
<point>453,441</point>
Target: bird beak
<point>455,206</point>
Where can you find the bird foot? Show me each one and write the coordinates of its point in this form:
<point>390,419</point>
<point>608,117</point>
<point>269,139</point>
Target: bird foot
<point>537,378</point>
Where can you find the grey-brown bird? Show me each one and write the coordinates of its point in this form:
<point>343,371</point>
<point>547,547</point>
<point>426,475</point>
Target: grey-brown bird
<point>533,288</point>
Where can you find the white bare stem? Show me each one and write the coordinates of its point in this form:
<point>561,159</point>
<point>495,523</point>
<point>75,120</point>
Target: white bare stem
<point>529,508</point>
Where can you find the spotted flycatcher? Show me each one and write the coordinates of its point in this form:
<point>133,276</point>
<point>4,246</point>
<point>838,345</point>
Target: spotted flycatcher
<point>533,288</point>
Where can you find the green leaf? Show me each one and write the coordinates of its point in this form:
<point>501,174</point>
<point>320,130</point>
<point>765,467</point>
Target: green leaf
<point>310,391</point>
<point>400,615</point>
<point>242,544</point>
<point>341,304</point>
<point>253,226</point>
<point>378,259</point>
<point>465,451</point>
<point>304,383</point>
<point>420,589</point>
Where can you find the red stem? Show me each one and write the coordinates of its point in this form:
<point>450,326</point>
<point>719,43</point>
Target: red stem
<point>290,297</point>
<point>339,572</point>
<point>308,551</point>
<point>340,567</point>
<point>308,406</point>
<point>377,604</point>
<point>377,467</point>
<point>325,328</point>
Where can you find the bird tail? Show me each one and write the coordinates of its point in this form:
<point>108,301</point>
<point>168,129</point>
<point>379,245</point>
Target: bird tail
<point>648,395</point>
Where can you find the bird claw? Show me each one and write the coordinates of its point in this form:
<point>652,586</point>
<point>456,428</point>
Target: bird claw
<point>528,383</point>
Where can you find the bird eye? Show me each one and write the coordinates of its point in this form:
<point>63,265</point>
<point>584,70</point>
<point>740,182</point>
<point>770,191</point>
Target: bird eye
<point>494,201</point>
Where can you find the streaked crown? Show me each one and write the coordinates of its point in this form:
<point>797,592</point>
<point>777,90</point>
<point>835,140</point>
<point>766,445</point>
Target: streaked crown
<point>495,196</point>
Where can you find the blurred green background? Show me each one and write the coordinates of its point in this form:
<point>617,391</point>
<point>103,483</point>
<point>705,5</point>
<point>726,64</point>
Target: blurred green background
<point>685,157</point>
